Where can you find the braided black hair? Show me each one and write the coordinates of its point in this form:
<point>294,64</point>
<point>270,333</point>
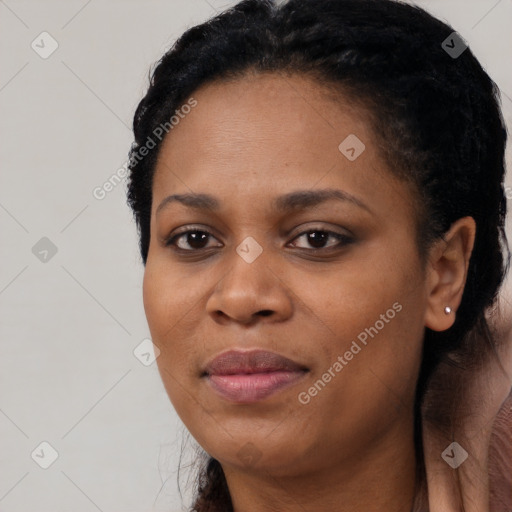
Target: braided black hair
<point>437,119</point>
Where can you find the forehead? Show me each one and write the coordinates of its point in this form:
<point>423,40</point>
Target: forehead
<point>266,105</point>
<point>264,133</point>
<point>281,119</point>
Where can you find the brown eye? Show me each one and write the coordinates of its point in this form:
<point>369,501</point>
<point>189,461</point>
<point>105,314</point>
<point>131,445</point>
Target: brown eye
<point>318,238</point>
<point>194,239</point>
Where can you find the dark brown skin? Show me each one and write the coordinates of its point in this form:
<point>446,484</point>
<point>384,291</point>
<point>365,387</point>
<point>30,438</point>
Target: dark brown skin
<point>247,142</point>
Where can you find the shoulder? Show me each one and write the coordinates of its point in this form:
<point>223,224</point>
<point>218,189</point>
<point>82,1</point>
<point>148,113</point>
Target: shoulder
<point>500,459</point>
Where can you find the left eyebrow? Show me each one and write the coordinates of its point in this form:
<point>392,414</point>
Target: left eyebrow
<point>302,199</point>
<point>298,200</point>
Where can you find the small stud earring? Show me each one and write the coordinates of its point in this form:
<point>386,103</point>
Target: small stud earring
<point>447,310</point>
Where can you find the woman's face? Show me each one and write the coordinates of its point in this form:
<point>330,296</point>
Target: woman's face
<point>333,283</point>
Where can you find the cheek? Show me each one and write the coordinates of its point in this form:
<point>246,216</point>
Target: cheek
<point>172,304</point>
<point>157,304</point>
<point>377,315</point>
<point>373,387</point>
<point>166,297</point>
<point>166,307</point>
<point>376,377</point>
<point>162,313</point>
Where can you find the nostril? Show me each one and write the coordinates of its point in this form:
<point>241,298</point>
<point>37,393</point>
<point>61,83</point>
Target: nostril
<point>265,312</point>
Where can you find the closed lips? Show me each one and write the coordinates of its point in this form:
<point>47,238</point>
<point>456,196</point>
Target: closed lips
<point>247,377</point>
<point>235,362</point>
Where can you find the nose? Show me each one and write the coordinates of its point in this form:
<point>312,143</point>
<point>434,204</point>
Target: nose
<point>248,292</point>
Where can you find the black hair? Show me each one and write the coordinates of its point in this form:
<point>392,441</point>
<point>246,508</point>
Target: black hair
<point>436,116</point>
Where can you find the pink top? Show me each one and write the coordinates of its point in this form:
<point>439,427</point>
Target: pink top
<point>500,460</point>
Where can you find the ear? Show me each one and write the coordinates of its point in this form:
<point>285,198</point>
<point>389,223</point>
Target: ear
<point>446,273</point>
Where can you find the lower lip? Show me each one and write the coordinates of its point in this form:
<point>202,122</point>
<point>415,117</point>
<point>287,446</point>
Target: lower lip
<point>247,388</point>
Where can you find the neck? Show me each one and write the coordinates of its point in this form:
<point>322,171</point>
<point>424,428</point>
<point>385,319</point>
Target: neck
<point>381,478</point>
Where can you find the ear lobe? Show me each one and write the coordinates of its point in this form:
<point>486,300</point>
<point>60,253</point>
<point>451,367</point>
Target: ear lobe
<point>447,272</point>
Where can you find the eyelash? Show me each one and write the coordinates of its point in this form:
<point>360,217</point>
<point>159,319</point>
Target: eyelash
<point>343,240</point>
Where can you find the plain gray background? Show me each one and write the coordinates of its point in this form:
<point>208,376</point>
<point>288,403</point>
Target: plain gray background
<point>70,321</point>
